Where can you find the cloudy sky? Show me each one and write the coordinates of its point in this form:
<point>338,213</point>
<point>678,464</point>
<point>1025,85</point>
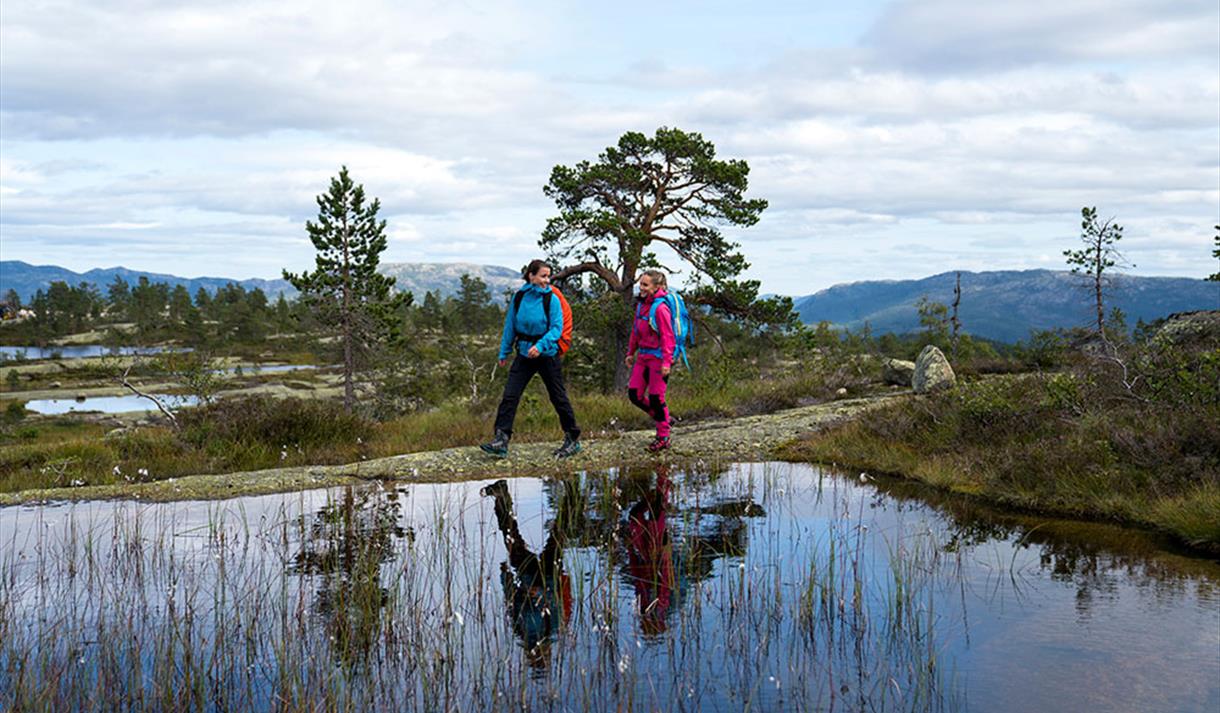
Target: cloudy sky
<point>892,139</point>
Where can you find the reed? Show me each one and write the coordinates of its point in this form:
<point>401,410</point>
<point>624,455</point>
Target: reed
<point>391,598</point>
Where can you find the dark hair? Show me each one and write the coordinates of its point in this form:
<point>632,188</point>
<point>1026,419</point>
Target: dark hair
<point>533,268</point>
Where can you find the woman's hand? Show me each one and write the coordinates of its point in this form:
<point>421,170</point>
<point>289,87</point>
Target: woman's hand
<point>503,362</point>
<point>533,352</point>
<point>629,360</point>
<point>664,371</point>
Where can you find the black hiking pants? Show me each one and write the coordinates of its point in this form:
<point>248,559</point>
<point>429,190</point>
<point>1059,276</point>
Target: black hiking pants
<point>534,570</point>
<point>519,375</point>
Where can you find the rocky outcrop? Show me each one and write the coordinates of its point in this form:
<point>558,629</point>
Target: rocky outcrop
<point>897,372</point>
<point>1194,328</point>
<point>748,438</point>
<point>932,371</point>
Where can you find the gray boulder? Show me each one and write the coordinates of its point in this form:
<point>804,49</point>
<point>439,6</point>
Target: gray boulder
<point>897,372</point>
<point>932,371</point>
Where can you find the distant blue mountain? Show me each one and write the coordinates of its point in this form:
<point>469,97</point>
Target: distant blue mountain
<point>414,277</point>
<point>27,279</point>
<point>1002,305</point>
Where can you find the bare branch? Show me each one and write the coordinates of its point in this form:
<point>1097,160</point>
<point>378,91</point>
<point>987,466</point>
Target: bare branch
<point>707,327</point>
<point>160,406</point>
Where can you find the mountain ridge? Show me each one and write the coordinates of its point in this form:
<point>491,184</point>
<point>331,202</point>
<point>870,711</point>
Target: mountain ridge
<point>1004,305</point>
<point>414,277</point>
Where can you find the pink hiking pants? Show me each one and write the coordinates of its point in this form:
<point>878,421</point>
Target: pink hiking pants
<point>646,389</point>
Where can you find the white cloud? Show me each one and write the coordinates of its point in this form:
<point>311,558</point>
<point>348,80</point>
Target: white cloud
<point>976,131</point>
<point>965,36</point>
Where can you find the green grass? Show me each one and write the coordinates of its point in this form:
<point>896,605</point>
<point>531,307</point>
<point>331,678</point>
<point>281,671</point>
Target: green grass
<point>1050,444</point>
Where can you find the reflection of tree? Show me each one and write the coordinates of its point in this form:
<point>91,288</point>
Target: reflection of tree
<point>1096,558</point>
<point>580,513</point>
<point>345,544</point>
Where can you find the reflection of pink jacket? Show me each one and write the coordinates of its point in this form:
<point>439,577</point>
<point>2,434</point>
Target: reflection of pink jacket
<point>650,556</point>
<point>644,337</point>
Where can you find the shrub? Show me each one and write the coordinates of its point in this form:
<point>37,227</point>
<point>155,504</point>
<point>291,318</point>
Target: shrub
<point>14,411</point>
<point>272,423</point>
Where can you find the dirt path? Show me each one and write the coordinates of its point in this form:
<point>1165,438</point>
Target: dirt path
<point>740,439</point>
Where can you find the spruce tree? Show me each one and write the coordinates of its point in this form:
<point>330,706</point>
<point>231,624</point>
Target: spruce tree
<point>345,290</point>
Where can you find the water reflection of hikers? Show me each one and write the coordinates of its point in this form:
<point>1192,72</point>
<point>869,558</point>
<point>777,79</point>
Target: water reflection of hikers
<point>536,590</point>
<point>650,562</point>
<point>650,354</point>
<point>534,323</point>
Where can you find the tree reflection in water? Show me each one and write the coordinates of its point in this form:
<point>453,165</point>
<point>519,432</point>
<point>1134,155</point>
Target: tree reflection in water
<point>344,545</point>
<point>1097,558</point>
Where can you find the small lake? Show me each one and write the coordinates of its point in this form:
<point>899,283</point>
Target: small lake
<point>77,351</point>
<point>107,404</point>
<point>766,586</point>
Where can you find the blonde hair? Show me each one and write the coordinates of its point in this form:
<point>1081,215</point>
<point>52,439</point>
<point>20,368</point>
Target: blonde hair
<point>657,277</point>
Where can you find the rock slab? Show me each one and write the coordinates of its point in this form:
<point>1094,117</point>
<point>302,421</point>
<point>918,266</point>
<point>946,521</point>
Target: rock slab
<point>932,371</point>
<point>898,372</point>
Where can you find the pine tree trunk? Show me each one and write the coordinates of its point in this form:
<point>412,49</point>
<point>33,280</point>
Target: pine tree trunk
<point>349,366</point>
<point>622,337</point>
<point>1101,315</point>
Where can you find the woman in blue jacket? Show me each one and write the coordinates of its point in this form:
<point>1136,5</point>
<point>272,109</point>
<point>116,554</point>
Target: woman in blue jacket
<point>534,323</point>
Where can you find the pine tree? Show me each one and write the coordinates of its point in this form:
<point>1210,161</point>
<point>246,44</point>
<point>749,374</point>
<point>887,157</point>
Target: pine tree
<point>118,298</point>
<point>1099,255</point>
<point>345,289</point>
<point>667,192</point>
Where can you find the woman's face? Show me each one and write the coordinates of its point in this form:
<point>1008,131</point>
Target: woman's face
<point>647,288</point>
<point>542,278</point>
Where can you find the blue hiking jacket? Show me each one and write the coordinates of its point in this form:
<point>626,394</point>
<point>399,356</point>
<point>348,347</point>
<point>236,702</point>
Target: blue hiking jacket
<point>530,321</point>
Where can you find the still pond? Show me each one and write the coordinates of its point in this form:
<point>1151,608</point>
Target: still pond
<point>766,586</point>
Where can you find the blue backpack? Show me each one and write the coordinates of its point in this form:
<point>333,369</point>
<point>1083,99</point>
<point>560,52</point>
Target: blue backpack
<point>681,324</point>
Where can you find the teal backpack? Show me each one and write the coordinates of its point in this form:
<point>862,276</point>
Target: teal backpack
<point>681,325</point>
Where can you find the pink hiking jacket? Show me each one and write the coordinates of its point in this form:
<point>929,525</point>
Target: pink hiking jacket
<point>643,336</point>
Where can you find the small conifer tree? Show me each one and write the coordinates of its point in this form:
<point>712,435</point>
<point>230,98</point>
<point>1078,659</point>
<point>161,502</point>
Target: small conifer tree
<point>1097,258</point>
<point>345,290</point>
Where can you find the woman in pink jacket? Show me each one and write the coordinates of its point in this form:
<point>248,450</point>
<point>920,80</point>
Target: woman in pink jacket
<point>650,354</point>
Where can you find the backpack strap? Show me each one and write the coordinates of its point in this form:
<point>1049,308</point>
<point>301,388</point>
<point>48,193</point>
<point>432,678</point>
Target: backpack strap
<point>652,313</point>
<point>517,306</point>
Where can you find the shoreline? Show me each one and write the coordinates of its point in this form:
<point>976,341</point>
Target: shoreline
<point>744,438</point>
<point>774,436</point>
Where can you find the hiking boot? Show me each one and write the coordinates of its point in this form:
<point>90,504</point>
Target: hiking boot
<point>658,444</point>
<point>498,446</point>
<point>570,447</point>
<point>495,490</point>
